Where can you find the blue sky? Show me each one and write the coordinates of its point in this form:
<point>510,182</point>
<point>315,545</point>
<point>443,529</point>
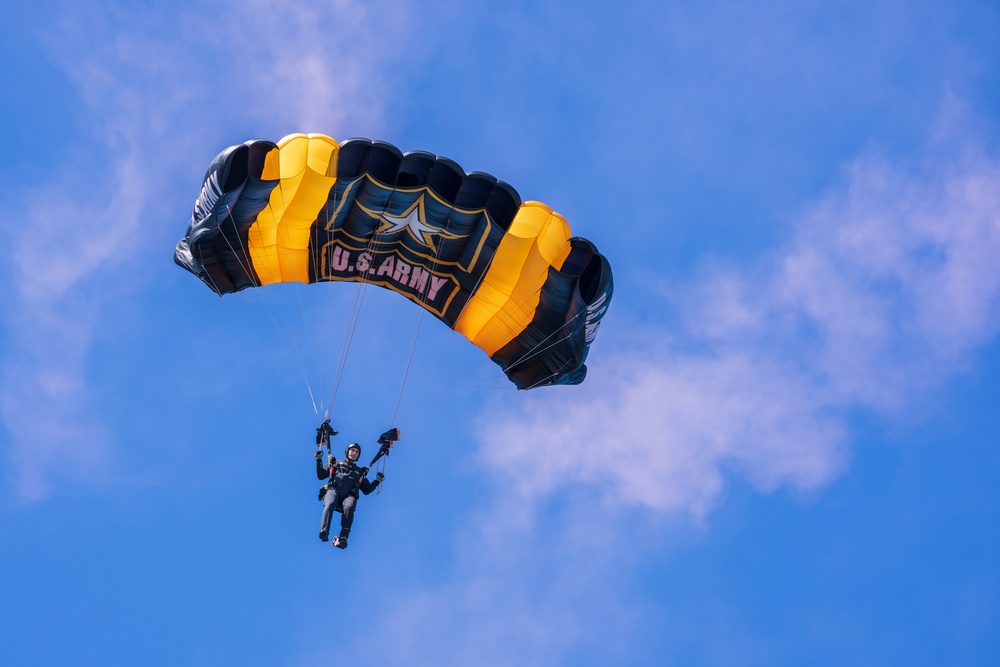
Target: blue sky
<point>786,451</point>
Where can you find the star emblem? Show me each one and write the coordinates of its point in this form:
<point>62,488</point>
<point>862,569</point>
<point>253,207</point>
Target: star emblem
<point>412,221</point>
<point>409,221</point>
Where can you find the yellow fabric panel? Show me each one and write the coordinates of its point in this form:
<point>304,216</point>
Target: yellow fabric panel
<point>505,302</point>
<point>306,166</point>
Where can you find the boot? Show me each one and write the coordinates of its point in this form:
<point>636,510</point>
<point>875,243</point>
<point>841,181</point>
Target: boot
<point>341,541</point>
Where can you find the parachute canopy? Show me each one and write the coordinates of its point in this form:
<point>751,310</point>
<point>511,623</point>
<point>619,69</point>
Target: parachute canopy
<point>505,274</point>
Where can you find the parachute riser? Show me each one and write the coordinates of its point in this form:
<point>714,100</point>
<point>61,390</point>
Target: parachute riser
<point>383,451</point>
<point>385,442</point>
<point>323,434</point>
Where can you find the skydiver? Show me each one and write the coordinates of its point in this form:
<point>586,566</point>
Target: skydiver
<point>345,477</point>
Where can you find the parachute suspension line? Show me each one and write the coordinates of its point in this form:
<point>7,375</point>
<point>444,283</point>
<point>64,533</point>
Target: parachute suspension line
<point>538,349</point>
<point>418,322</point>
<point>537,384</point>
<point>267,306</point>
<point>359,297</point>
<point>264,349</point>
<point>305,324</point>
<point>455,381</point>
<point>418,319</point>
<point>285,328</point>
<point>354,318</point>
<point>510,392</point>
<point>302,368</point>
<point>426,413</point>
<point>495,325</point>
<point>309,324</point>
<point>208,274</point>
<point>452,381</point>
<point>352,324</point>
<point>551,375</point>
<point>317,251</point>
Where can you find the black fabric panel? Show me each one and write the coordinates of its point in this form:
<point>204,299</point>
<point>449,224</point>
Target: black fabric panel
<point>475,190</point>
<point>352,158</point>
<point>445,179</point>
<point>503,204</point>
<point>548,346</point>
<point>214,247</point>
<point>231,241</point>
<point>553,347</point>
<point>383,162</point>
<point>414,168</point>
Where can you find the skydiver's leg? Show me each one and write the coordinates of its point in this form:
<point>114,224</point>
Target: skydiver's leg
<point>347,519</point>
<point>329,505</point>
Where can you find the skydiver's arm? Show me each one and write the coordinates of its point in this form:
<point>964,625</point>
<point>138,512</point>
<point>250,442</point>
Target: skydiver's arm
<point>368,486</point>
<point>321,471</point>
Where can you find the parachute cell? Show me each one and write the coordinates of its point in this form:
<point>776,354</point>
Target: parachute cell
<point>507,275</point>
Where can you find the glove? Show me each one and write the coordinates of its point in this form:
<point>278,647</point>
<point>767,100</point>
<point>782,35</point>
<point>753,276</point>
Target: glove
<point>379,477</point>
<point>317,454</point>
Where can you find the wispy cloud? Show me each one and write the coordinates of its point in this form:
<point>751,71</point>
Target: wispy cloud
<point>887,287</point>
<point>161,95</point>
<point>520,591</point>
<point>885,290</point>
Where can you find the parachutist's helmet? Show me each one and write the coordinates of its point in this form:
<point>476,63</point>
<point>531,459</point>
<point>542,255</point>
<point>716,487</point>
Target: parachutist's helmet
<point>347,452</point>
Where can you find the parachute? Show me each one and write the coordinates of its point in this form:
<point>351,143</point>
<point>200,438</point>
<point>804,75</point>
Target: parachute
<point>504,273</point>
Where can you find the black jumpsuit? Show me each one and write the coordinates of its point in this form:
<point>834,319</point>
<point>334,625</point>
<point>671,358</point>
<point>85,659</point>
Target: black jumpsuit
<point>345,478</point>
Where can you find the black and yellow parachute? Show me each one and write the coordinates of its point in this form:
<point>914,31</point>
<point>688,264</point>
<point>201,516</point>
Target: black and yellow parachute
<point>505,274</point>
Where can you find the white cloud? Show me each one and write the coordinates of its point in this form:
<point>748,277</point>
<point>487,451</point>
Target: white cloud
<point>885,290</point>
<point>658,431</point>
<point>162,94</point>
<point>897,276</point>
<point>305,67</point>
<point>887,287</point>
<point>45,404</point>
<point>519,593</point>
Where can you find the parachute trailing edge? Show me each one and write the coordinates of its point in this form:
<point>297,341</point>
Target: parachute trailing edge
<point>506,274</point>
